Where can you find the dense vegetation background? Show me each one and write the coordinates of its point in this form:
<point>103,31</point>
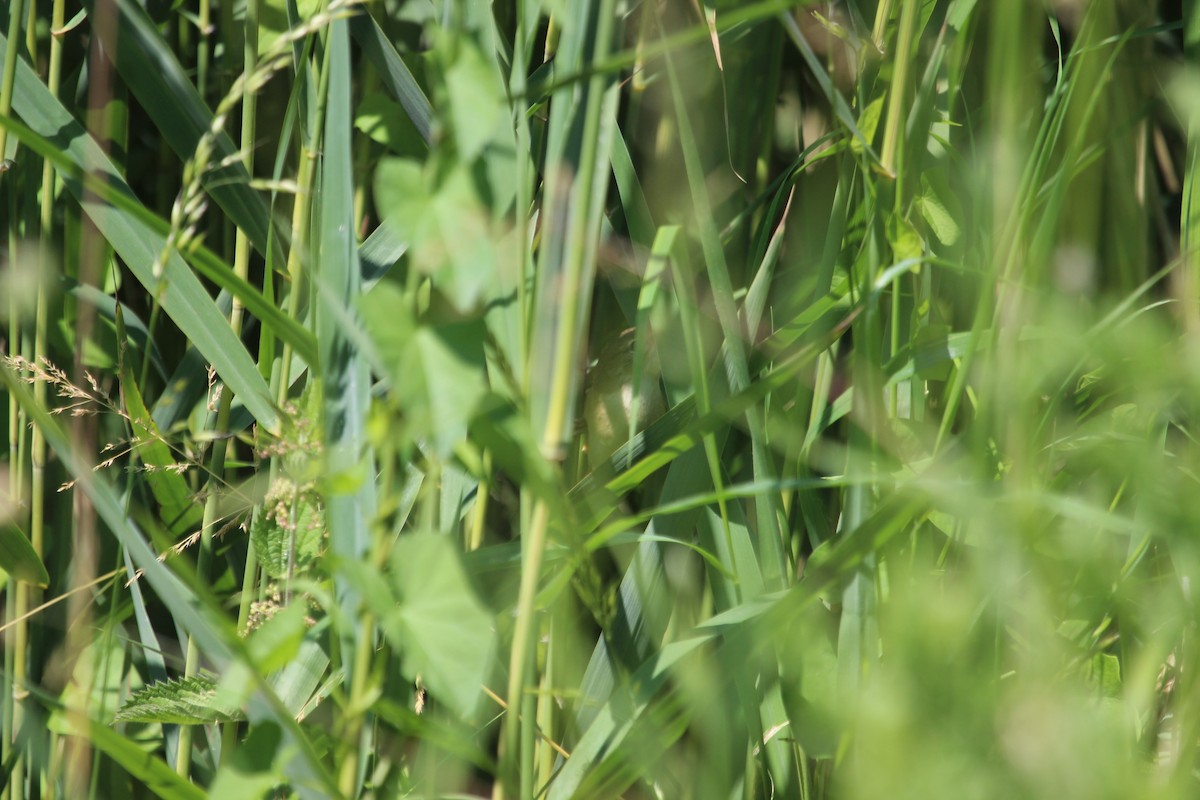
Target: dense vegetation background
<point>674,399</point>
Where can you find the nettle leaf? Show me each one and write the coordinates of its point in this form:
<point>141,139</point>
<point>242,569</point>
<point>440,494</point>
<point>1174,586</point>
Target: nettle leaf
<point>186,701</point>
<point>293,518</point>
<point>444,633</point>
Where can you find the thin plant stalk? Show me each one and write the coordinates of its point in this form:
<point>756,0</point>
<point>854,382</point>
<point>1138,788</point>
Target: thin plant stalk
<point>241,263</point>
<point>202,53</point>
<point>38,497</point>
<point>18,592</point>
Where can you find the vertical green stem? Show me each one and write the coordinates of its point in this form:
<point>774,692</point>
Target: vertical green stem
<point>202,52</point>
<point>899,91</point>
<point>19,593</point>
<point>1189,217</point>
<point>882,13</point>
<point>577,259</point>
<point>15,11</point>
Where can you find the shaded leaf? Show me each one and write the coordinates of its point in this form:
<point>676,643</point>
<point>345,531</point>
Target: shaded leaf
<point>436,370</point>
<point>443,632</point>
<point>19,559</point>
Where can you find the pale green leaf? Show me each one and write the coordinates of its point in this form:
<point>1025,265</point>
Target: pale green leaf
<point>443,632</point>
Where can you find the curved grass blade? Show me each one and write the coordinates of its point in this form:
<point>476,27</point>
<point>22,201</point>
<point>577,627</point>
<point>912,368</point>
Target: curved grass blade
<point>182,296</point>
<point>19,559</point>
<point>206,262</point>
<point>394,73</point>
<point>150,772</point>
<point>159,83</point>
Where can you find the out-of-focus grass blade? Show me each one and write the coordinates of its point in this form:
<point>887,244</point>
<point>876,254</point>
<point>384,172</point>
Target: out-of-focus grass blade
<point>135,329</point>
<point>182,296</point>
<point>154,75</point>
<point>344,371</point>
<point>19,559</point>
<point>394,73</point>
<point>379,253</point>
<point>621,717</point>
<point>150,772</point>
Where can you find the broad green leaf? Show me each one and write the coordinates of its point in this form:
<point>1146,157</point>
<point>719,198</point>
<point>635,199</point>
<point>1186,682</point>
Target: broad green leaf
<point>906,242</point>
<point>808,670</point>
<point>447,225</point>
<point>940,220</point>
<point>1104,670</point>
<point>275,642</point>
<point>474,97</point>
<point>385,121</point>
<point>868,123</point>
<point>436,370</point>
<point>443,633</point>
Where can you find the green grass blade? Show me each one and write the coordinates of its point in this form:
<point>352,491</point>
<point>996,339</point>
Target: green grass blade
<point>157,80</point>
<point>135,217</point>
<point>394,73</point>
<point>182,296</point>
<point>345,376</point>
<point>19,559</point>
<point>150,772</point>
